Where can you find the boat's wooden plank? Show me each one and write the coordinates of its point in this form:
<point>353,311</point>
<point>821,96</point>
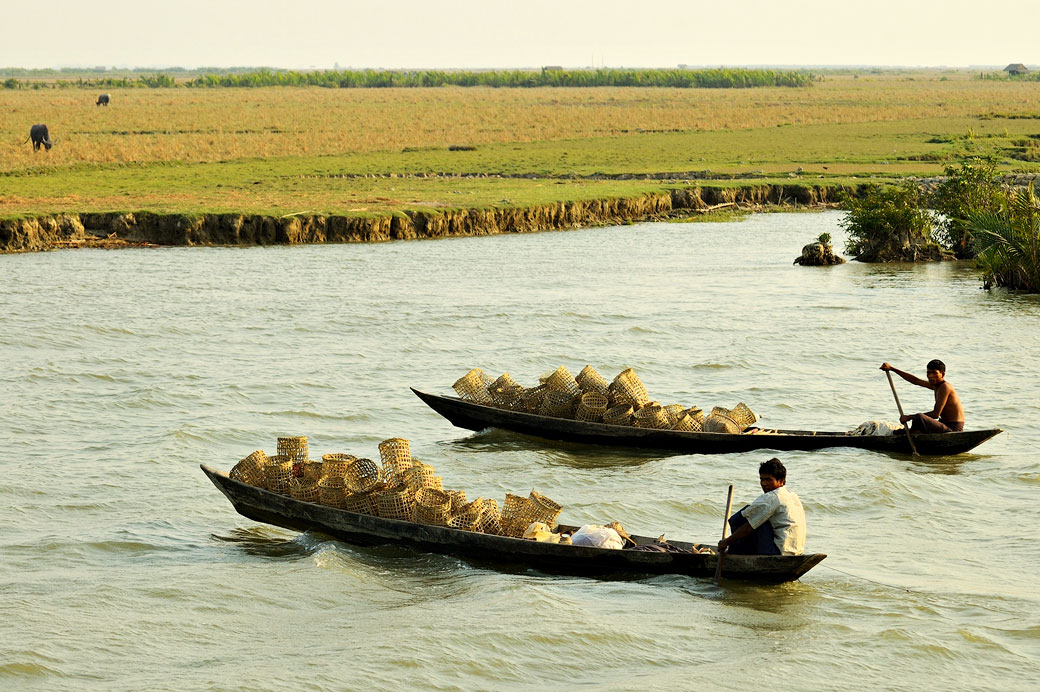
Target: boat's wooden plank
<point>472,416</point>
<point>279,510</point>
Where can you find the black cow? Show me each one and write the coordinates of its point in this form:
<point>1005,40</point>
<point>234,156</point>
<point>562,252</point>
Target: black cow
<point>39,135</point>
<point>102,100</point>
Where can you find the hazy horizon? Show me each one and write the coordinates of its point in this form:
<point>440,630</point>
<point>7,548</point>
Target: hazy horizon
<point>408,34</point>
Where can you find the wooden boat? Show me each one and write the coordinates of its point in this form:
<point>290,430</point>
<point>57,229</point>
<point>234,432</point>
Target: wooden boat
<point>501,551</point>
<point>473,416</point>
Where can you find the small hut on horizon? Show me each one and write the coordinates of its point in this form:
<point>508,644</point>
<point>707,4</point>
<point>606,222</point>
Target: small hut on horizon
<point>1015,69</point>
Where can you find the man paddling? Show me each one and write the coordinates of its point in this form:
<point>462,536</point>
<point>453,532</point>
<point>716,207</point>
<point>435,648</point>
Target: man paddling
<point>774,524</point>
<point>948,414</point>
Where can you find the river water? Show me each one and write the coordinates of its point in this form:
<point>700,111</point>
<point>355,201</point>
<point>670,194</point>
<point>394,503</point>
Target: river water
<point>124,569</point>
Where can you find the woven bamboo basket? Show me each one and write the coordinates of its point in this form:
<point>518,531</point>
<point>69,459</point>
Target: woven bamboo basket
<point>458,500</point>
<point>250,469</point>
<point>465,517</point>
<point>743,415</point>
<point>687,423</point>
<point>396,455</point>
<point>432,506</point>
<point>362,475</point>
<point>366,502</point>
<point>397,503</point>
<point>591,406</point>
<point>488,520</point>
<point>506,392</point>
<point>562,381</point>
<point>312,470</point>
<point>591,381</point>
<point>674,411</point>
<point>531,399</point>
<point>719,423</point>
<point>421,475</point>
<point>618,415</point>
<point>515,514</point>
<point>544,509</point>
<point>277,474</point>
<point>473,386</point>
<point>653,417</point>
<point>332,491</point>
<point>556,403</point>
<point>336,464</point>
<point>696,414</point>
<point>295,448</point>
<point>303,489</point>
<point>629,389</point>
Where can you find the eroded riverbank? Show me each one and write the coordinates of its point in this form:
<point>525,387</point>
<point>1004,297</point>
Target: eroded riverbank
<point>48,232</point>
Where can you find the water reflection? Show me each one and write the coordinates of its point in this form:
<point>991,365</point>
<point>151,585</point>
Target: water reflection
<point>572,454</point>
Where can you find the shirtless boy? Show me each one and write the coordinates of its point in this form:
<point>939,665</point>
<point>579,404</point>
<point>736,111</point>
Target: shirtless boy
<point>948,414</point>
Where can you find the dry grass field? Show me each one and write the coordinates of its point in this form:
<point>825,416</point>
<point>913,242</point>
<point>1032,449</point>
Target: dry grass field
<point>193,148</point>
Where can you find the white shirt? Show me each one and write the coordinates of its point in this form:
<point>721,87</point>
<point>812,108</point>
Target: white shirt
<point>784,511</point>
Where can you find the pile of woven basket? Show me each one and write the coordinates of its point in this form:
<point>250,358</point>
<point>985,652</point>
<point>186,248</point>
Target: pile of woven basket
<point>589,397</point>
<point>400,487</point>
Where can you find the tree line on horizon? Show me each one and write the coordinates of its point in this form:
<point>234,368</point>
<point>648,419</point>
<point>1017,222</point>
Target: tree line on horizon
<point>717,78</point>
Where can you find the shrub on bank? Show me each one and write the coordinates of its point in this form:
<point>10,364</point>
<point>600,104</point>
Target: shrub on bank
<point>972,186</point>
<point>890,224</point>
<point>1007,241</point>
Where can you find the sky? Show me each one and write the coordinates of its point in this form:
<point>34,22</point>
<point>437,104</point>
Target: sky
<point>306,34</point>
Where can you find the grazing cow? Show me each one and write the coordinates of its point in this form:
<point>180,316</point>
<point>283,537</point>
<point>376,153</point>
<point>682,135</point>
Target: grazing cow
<point>102,100</point>
<point>39,135</point>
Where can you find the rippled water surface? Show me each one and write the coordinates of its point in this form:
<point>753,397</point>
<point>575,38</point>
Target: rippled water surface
<point>124,569</point>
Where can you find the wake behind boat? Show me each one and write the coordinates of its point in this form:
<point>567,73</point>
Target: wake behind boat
<point>476,416</point>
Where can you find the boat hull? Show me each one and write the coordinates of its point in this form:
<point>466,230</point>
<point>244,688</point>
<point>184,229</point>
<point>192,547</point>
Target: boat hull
<point>472,416</point>
<point>500,551</point>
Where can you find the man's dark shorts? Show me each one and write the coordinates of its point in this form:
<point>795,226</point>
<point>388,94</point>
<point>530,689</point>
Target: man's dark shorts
<point>760,542</point>
<point>927,424</point>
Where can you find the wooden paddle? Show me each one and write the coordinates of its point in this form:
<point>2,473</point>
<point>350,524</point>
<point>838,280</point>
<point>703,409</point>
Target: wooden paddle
<point>906,427</point>
<point>725,529</point>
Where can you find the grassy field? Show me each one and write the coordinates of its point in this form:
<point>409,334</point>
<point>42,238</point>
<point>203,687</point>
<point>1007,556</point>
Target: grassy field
<point>286,150</point>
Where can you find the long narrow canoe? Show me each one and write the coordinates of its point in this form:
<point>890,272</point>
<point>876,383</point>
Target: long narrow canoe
<point>473,416</point>
<point>501,551</point>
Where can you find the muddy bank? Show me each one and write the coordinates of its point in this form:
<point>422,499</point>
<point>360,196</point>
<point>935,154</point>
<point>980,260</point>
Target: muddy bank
<point>61,230</point>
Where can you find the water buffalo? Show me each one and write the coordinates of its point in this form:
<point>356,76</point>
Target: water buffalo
<point>102,100</point>
<point>39,135</point>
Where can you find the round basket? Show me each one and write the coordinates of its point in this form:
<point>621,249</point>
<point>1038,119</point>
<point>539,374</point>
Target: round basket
<point>618,415</point>
<point>277,474</point>
<point>331,491</point>
<point>488,520</point>
<point>629,389</point>
<point>432,506</point>
<point>562,381</point>
<point>696,414</point>
<point>544,509</point>
<point>653,417</point>
<point>295,448</point>
<point>312,470</point>
<point>687,423</point>
<point>421,475</point>
<point>396,455</point>
<point>591,406</point>
<point>506,392</point>
<point>473,387</point>
<point>458,500</point>
<point>674,411</point>
<point>397,503</point>
<point>515,514</point>
<point>362,475</point>
<point>465,517</point>
<point>556,403</point>
<point>336,464</point>
<point>250,469</point>
<point>366,502</point>
<point>591,381</point>
<point>718,423</point>
<point>531,399</point>
<point>303,489</point>
<point>743,415</point>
